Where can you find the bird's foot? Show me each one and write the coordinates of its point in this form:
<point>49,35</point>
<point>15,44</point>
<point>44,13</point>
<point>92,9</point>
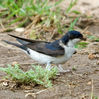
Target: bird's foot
<point>61,70</point>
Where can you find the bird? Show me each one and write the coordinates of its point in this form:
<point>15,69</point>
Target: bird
<point>55,52</point>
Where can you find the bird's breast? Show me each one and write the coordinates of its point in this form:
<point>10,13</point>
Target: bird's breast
<point>69,51</point>
<point>44,59</point>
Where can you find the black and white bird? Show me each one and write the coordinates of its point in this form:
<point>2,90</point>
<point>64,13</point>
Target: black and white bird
<point>56,52</point>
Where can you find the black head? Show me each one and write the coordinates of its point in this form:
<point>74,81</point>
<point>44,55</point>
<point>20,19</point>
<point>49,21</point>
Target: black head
<point>75,35</point>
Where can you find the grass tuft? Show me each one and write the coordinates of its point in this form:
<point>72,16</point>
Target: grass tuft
<point>81,45</point>
<point>71,5</point>
<point>37,75</point>
<point>71,27</point>
<point>24,9</point>
<point>21,13</point>
<point>93,38</point>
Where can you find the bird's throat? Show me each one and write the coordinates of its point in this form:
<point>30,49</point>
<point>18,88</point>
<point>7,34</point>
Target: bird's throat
<point>70,43</point>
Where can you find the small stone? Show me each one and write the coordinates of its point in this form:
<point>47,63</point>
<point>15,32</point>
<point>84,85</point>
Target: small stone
<point>5,84</point>
<point>89,83</point>
<point>19,29</point>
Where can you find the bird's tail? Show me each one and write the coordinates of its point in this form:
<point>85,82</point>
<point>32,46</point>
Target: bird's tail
<point>15,44</point>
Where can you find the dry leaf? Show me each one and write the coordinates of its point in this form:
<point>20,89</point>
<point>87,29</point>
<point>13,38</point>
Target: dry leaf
<point>91,56</point>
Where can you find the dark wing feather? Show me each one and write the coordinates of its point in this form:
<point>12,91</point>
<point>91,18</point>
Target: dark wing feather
<point>41,48</point>
<point>24,40</point>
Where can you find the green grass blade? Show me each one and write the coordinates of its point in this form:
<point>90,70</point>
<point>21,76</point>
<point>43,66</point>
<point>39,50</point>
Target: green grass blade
<point>71,27</point>
<point>72,3</point>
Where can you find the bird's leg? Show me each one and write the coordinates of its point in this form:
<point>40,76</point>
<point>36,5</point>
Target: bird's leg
<point>61,70</point>
<point>48,66</point>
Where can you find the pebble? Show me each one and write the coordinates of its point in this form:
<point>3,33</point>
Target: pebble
<point>19,30</point>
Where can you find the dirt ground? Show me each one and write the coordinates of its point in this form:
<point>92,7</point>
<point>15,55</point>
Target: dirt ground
<point>78,84</point>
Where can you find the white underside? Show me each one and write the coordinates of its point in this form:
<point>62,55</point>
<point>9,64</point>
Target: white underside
<point>45,59</point>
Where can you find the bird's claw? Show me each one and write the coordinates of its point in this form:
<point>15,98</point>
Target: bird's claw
<point>61,70</point>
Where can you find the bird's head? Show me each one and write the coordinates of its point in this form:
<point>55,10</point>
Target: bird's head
<point>72,37</point>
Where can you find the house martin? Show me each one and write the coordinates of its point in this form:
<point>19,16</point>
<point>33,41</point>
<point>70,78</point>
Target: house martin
<point>56,52</point>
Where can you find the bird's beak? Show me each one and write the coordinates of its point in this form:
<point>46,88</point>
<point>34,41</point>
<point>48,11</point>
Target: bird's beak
<point>75,52</point>
<point>83,38</point>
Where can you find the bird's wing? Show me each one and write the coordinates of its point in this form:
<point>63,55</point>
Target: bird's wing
<point>25,41</point>
<point>39,46</point>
